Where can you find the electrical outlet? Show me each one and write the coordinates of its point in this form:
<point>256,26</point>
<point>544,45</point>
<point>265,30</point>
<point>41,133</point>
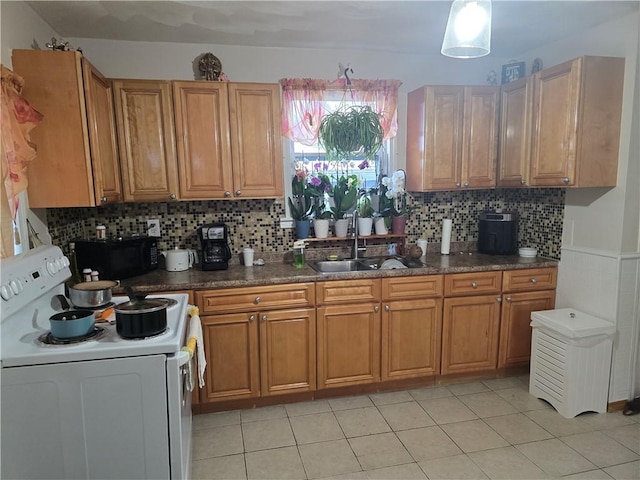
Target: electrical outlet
<point>153,227</point>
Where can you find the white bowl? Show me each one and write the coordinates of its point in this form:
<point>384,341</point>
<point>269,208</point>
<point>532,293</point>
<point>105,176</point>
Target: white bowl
<point>527,252</point>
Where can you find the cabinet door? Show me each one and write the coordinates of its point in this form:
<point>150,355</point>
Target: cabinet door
<point>231,349</point>
<point>515,330</point>
<point>411,333</point>
<point>144,115</point>
<point>470,334</point>
<point>434,138</point>
<point>348,344</point>
<point>202,139</point>
<point>256,147</point>
<point>480,137</point>
<point>555,113</point>
<point>515,133</point>
<point>102,135</point>
<point>288,351</point>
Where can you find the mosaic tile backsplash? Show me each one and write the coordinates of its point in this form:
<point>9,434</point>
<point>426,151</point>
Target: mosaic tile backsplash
<point>256,223</point>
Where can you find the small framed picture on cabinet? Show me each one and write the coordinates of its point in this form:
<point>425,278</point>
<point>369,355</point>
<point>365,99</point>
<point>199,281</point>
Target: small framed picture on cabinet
<point>512,71</point>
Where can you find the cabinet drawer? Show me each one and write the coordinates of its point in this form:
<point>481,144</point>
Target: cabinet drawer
<point>348,291</point>
<point>412,287</point>
<point>253,298</point>
<point>480,283</point>
<point>530,279</point>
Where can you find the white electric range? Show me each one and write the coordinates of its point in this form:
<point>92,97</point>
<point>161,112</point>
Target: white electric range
<point>107,407</point>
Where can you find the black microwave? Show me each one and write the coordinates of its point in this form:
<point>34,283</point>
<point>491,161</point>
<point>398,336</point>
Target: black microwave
<point>118,258</point>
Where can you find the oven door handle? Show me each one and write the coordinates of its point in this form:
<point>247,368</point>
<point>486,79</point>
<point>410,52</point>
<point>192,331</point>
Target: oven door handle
<point>183,357</point>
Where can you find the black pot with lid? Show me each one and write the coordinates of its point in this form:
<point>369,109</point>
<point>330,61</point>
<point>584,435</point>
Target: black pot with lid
<point>141,317</point>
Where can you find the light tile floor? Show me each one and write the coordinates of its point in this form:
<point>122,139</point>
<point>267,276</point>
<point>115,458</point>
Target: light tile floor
<point>492,429</point>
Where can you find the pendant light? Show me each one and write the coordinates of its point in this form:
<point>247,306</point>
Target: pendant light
<point>468,33</point>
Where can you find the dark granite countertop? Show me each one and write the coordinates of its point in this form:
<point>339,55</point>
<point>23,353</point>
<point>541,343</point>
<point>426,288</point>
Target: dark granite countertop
<point>277,273</point>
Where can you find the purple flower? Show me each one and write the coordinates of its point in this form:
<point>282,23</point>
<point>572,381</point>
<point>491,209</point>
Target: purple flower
<point>315,181</point>
<point>316,166</point>
<point>364,164</point>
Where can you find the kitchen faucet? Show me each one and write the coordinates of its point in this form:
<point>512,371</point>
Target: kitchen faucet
<point>354,253</point>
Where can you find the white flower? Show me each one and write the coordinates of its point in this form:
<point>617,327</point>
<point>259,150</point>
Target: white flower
<point>390,194</point>
<point>386,181</point>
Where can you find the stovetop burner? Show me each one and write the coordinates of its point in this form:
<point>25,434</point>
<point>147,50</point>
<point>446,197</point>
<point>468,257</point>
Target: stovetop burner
<point>47,339</point>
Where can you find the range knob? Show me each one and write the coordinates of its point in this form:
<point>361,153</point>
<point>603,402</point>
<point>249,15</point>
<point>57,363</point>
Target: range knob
<point>16,286</point>
<point>5,292</point>
<point>51,267</point>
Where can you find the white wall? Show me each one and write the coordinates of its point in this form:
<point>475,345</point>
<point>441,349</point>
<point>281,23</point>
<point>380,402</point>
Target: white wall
<point>20,27</point>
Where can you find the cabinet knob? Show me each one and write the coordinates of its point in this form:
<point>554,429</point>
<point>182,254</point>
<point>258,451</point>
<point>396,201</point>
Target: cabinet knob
<point>522,182</point>
<point>499,299</point>
<point>458,184</point>
<point>566,180</point>
<point>508,299</point>
<point>264,318</point>
<point>474,284</point>
<point>466,184</point>
<point>257,300</point>
<point>227,193</point>
<point>238,193</point>
<point>387,308</point>
<point>376,309</point>
<point>172,196</point>
<point>252,318</point>
<point>534,281</point>
<point>103,199</point>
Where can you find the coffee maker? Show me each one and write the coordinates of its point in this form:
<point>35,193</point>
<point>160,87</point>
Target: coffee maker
<point>215,249</point>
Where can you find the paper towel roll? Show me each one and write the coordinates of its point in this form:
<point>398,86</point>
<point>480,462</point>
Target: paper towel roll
<point>446,236</point>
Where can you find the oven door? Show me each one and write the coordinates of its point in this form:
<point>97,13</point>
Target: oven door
<point>179,407</point>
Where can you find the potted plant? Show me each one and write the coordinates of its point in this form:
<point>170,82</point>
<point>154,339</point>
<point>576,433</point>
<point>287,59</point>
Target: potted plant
<point>355,130</point>
<point>365,215</point>
<point>344,194</point>
<point>393,201</point>
<point>300,204</point>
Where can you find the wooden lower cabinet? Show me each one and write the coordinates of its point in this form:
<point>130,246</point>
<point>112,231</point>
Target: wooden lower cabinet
<point>287,351</point>
<point>231,349</point>
<point>470,333</point>
<point>411,332</point>
<point>515,329</point>
<point>348,344</point>
<point>263,350</point>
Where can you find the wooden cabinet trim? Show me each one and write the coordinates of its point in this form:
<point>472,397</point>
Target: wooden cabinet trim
<point>394,288</point>
<point>530,279</point>
<point>348,291</point>
<point>296,295</point>
<point>462,284</point>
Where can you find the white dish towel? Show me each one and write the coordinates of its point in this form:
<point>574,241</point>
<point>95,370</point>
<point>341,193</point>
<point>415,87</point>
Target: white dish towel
<point>195,345</point>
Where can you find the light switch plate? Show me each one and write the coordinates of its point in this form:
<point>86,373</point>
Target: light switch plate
<point>153,227</point>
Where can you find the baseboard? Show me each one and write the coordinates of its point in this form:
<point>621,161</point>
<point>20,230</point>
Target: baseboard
<point>616,406</point>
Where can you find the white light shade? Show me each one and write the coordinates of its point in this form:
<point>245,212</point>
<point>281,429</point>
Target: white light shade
<point>468,33</point>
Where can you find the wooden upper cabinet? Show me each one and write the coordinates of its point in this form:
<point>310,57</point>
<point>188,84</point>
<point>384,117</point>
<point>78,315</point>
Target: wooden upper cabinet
<point>228,139</point>
<point>256,145</point>
<point>577,107</point>
<point>144,115</point>
<point>202,136</point>
<point>76,140</point>
<point>515,133</point>
<point>451,137</point>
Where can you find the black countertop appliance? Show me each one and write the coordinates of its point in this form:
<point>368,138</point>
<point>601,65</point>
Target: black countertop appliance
<point>215,249</point>
<point>498,233</point>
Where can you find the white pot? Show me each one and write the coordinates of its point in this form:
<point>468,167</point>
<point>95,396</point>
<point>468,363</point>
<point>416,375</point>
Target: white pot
<point>342,227</point>
<point>178,260</point>
<point>381,228</point>
<point>321,228</point>
<point>364,226</point>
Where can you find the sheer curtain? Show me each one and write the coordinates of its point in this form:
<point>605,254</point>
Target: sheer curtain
<point>303,104</point>
<point>18,118</point>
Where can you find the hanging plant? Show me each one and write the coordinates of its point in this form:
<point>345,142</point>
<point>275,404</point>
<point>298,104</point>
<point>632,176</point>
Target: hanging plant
<point>352,131</point>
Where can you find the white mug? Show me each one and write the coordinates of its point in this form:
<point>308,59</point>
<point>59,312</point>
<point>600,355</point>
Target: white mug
<point>247,254</point>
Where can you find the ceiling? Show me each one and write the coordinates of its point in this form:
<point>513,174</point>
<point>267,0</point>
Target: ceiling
<point>395,26</point>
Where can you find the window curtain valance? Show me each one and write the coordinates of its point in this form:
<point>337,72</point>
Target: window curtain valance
<point>18,118</point>
<point>303,104</point>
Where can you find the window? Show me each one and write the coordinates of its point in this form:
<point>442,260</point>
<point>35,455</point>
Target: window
<point>306,101</point>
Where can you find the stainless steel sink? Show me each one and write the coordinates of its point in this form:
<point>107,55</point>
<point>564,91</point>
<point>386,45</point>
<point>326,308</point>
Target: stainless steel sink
<point>337,266</point>
<point>365,264</point>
